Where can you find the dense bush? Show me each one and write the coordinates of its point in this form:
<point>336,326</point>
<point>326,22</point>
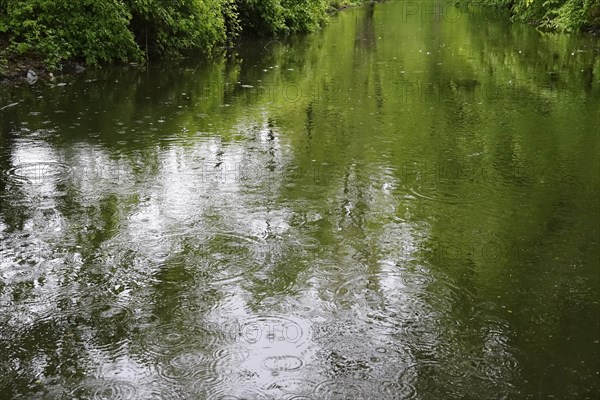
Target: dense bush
<point>96,31</point>
<point>564,15</point>
<point>101,31</point>
<point>172,27</point>
<point>304,15</point>
<point>573,15</point>
<point>269,17</point>
<point>261,16</point>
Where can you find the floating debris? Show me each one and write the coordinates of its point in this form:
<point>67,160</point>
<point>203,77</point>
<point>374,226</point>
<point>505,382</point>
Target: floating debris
<point>8,106</point>
<point>32,77</point>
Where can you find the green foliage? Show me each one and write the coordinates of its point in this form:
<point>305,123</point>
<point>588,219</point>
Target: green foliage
<point>232,21</point>
<point>563,15</point>
<point>272,17</point>
<point>95,31</point>
<point>172,27</point>
<point>339,4</point>
<point>261,16</point>
<point>104,31</point>
<point>304,15</point>
<point>574,15</point>
<point>3,65</point>
<point>3,6</point>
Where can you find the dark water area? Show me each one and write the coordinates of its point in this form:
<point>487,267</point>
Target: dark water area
<point>402,206</point>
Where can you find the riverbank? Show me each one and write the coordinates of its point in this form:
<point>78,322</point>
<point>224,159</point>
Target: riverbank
<point>51,46</point>
<point>560,15</point>
<point>14,68</point>
<point>36,39</point>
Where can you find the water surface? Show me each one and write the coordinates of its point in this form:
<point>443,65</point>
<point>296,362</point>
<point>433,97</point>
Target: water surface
<point>402,206</point>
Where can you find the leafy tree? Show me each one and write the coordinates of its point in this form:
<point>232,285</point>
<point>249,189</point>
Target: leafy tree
<point>172,27</point>
<point>95,31</point>
<point>105,31</point>
<point>563,15</point>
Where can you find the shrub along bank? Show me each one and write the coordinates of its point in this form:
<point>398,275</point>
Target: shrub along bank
<point>51,33</point>
<point>108,31</point>
<point>559,15</point>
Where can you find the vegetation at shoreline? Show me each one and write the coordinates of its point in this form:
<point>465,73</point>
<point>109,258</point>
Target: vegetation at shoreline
<point>558,15</point>
<point>130,31</point>
<point>53,35</point>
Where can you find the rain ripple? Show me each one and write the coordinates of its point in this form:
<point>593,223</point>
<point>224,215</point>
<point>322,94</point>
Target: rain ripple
<point>39,172</point>
<point>102,389</point>
<point>337,389</point>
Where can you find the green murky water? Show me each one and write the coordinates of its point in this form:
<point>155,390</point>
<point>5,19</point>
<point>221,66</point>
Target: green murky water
<point>403,206</point>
